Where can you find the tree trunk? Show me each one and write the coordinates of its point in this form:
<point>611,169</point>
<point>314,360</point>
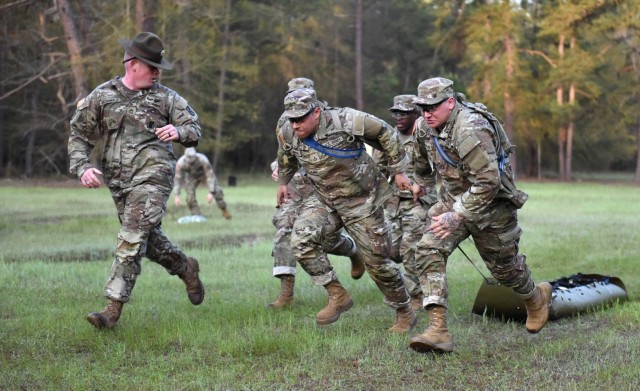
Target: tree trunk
<point>509,107</point>
<point>562,132</point>
<point>358,73</point>
<point>74,45</point>
<point>569,154</point>
<point>223,77</point>
<point>145,17</point>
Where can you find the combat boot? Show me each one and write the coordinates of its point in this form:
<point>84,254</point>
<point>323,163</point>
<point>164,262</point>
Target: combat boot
<point>285,298</point>
<point>226,214</point>
<point>405,320</point>
<point>357,265</point>
<point>339,302</point>
<point>538,307</point>
<point>108,317</point>
<point>195,289</point>
<point>416,302</point>
<point>436,337</point>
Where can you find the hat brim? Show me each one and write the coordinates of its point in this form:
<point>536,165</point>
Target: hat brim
<point>126,44</point>
<point>428,102</point>
<point>401,108</point>
<point>296,113</point>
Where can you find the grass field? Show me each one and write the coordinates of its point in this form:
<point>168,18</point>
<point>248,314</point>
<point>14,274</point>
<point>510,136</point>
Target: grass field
<point>56,246</point>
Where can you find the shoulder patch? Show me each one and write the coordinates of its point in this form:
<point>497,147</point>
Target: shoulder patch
<point>190,110</point>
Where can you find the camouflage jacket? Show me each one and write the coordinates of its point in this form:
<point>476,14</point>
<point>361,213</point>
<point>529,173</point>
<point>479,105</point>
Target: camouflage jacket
<point>125,122</point>
<point>472,186</point>
<point>408,142</point>
<point>353,186</point>
<point>196,169</point>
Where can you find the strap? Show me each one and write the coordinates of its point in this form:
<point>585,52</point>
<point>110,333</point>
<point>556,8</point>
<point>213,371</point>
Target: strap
<point>333,152</point>
<point>443,154</point>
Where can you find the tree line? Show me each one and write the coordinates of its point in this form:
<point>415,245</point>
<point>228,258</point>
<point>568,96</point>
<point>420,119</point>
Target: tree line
<point>563,75</point>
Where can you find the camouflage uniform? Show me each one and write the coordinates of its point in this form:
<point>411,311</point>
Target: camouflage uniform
<point>351,188</point>
<point>192,169</point>
<point>138,170</point>
<point>473,187</point>
<point>304,204</point>
<point>407,218</point>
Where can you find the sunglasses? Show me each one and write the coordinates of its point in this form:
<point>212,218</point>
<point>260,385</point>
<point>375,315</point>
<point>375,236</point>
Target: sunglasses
<point>401,114</point>
<point>433,107</point>
<point>299,120</point>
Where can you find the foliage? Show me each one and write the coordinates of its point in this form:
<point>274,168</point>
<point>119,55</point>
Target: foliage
<point>270,42</point>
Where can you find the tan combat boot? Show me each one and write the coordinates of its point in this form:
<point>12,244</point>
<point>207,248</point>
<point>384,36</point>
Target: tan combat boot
<point>357,265</point>
<point>538,307</point>
<point>436,337</point>
<point>405,320</point>
<point>195,289</point>
<point>285,298</point>
<point>226,214</point>
<point>339,302</point>
<point>416,302</point>
<point>108,317</point>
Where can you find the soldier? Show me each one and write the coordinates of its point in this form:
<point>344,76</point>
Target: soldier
<point>328,144</point>
<point>192,169</point>
<point>408,218</point>
<point>136,119</point>
<point>301,197</point>
<point>478,198</point>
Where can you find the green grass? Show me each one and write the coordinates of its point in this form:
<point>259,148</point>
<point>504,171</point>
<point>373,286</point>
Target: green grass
<point>56,249</point>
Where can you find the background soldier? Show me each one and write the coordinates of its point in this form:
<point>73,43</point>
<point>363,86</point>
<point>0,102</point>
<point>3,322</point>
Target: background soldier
<point>136,118</point>
<point>328,145</point>
<point>300,192</point>
<point>407,218</point>
<point>192,169</point>
<point>478,198</point>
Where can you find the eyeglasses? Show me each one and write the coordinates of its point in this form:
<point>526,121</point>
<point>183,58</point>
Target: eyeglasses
<point>299,120</point>
<point>401,114</point>
<point>433,107</point>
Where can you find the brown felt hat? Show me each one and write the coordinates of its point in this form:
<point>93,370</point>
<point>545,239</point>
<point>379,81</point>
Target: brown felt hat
<point>147,47</point>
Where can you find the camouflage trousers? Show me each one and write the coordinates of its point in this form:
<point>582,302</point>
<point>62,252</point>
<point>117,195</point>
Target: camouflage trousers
<point>408,221</point>
<point>140,210</point>
<point>372,237</point>
<point>329,232</point>
<point>497,244</point>
<point>192,202</point>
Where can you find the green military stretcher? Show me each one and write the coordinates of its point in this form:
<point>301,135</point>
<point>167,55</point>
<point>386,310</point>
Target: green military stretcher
<point>572,295</point>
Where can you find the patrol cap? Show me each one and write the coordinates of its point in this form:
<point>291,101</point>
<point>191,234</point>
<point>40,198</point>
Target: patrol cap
<point>300,102</point>
<point>435,90</point>
<point>404,103</point>
<point>299,82</point>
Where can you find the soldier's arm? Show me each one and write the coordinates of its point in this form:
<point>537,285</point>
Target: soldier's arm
<point>84,134</point>
<point>287,163</point>
<point>179,177</point>
<point>377,129</point>
<point>185,120</point>
<point>212,180</point>
<point>479,160</point>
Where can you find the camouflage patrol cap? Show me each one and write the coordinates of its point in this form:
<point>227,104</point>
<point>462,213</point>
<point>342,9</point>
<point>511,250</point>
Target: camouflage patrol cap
<point>435,90</point>
<point>299,82</point>
<point>300,102</point>
<point>404,103</point>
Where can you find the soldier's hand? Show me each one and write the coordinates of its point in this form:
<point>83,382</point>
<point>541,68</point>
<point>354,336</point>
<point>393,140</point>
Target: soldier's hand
<point>90,179</point>
<point>402,181</point>
<point>417,190</point>
<point>283,195</point>
<point>167,133</point>
<point>445,224</point>
<point>209,197</point>
<point>176,200</point>
<point>274,175</point>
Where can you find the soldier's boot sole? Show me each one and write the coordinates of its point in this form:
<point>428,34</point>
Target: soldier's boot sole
<point>423,345</point>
